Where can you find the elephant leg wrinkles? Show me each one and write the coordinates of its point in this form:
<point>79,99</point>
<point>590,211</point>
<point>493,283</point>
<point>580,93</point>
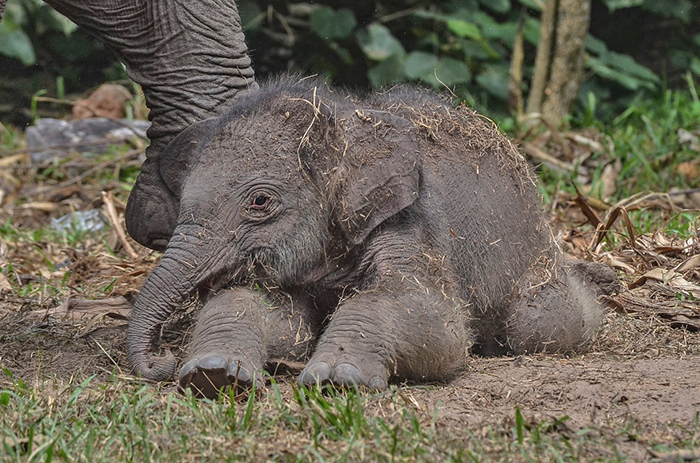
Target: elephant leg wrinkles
<point>236,332</point>
<point>404,326</point>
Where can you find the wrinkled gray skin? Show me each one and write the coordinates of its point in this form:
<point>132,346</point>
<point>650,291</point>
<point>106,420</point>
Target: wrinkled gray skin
<point>380,237</point>
<point>191,60</point>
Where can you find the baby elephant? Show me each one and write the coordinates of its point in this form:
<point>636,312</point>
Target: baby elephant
<point>379,238</point>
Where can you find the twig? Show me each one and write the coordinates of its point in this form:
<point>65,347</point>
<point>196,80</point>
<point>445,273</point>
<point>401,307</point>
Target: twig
<point>558,138</point>
<point>533,151</point>
<point>586,209</point>
<point>556,134</point>
<point>48,99</point>
<point>398,15</point>
<point>89,172</point>
<point>114,218</point>
<point>515,91</point>
<point>543,58</point>
<point>584,141</point>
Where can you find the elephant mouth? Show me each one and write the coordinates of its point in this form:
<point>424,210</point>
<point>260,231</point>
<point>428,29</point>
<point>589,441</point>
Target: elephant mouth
<point>223,280</point>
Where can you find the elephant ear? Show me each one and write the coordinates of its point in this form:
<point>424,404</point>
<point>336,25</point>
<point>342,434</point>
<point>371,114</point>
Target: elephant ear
<point>178,157</point>
<point>379,174</point>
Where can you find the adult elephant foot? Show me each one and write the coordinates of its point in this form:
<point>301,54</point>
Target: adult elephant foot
<point>187,72</point>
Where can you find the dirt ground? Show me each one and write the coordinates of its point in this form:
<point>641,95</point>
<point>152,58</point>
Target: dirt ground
<point>639,385</point>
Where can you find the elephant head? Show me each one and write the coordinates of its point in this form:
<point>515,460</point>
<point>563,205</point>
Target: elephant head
<point>192,64</point>
<point>276,191</point>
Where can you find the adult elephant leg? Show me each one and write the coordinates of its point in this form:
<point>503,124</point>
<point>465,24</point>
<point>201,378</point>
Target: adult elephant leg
<point>237,331</point>
<point>191,60</point>
<point>407,325</point>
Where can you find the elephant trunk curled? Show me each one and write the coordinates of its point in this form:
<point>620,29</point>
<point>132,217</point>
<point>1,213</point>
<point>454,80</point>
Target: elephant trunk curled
<point>178,275</point>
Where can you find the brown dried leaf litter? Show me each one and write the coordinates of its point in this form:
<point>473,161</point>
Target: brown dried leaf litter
<point>45,273</point>
<point>661,272</point>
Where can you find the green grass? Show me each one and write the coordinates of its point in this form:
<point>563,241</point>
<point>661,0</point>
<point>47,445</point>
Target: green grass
<point>115,420</point>
<point>646,145</point>
<point>647,142</point>
<point>10,138</point>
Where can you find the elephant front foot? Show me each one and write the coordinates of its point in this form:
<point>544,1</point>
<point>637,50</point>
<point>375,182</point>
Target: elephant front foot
<point>227,345</point>
<point>344,371</point>
<point>381,335</point>
<point>209,374</point>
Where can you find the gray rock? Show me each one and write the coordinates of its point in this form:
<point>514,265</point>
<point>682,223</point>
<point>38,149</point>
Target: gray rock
<point>50,138</point>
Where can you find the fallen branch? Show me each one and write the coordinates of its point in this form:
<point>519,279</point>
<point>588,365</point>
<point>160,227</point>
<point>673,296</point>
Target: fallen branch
<point>534,152</point>
<point>114,219</point>
<point>76,308</point>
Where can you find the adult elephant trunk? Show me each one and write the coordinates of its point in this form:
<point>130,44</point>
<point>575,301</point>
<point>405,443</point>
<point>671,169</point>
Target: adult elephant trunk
<point>191,60</point>
<point>191,260</point>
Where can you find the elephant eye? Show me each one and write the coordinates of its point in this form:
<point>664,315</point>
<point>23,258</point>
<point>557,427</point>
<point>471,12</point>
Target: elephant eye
<point>261,205</point>
<point>260,202</point>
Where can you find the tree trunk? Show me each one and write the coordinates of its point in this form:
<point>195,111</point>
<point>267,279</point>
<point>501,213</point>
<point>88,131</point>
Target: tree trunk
<point>559,69</point>
<point>544,57</point>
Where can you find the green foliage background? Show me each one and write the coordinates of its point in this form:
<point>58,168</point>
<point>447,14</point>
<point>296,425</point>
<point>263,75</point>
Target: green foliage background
<point>467,45</point>
<point>634,46</point>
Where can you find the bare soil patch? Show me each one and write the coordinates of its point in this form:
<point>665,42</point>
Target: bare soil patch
<point>637,388</point>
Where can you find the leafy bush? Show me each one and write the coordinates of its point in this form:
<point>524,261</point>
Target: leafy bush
<point>461,45</point>
<point>23,23</point>
<point>464,45</point>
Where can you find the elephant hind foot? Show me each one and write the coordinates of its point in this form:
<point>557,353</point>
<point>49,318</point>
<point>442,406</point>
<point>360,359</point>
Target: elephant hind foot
<point>555,308</point>
<point>207,376</point>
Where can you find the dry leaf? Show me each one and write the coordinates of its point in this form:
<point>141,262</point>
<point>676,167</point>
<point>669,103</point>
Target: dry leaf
<point>44,206</point>
<point>615,263</point>
<point>5,283</point>
<point>22,443</point>
<point>609,181</point>
<point>15,159</point>
<point>677,455</point>
<point>689,138</point>
<point>689,264</point>
<point>690,170</point>
<point>670,278</point>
